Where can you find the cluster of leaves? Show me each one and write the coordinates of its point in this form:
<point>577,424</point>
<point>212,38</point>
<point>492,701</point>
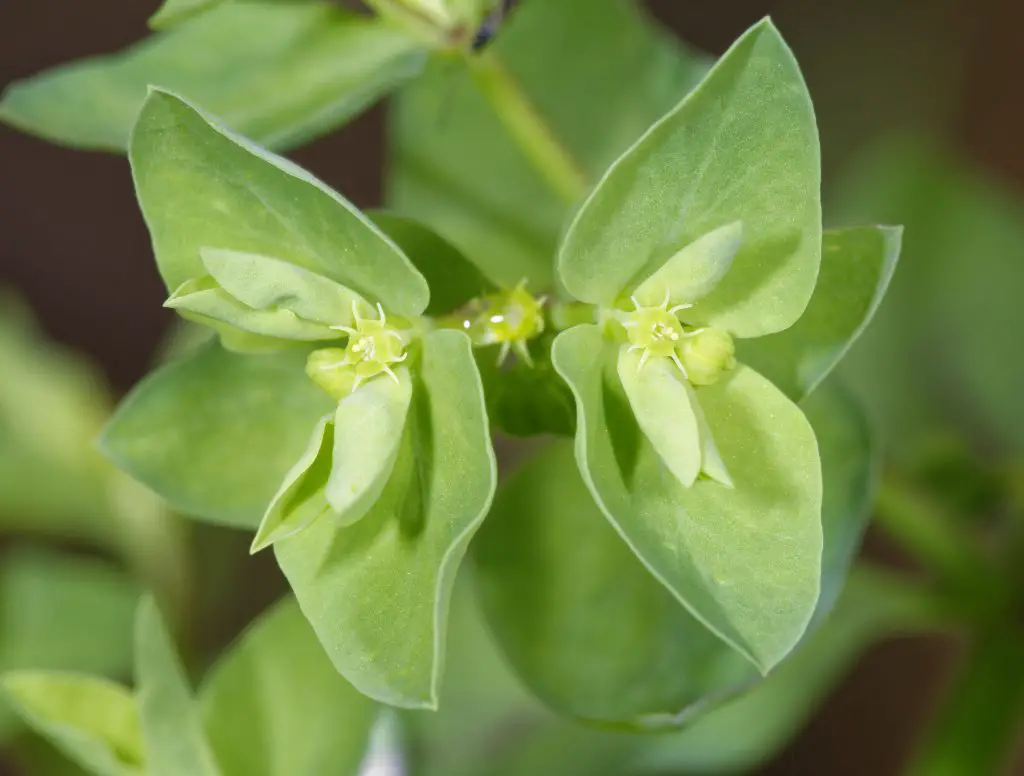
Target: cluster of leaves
<point>703,523</point>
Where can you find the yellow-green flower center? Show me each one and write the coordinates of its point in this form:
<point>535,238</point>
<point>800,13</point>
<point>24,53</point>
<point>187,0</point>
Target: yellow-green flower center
<point>510,318</point>
<point>373,347</point>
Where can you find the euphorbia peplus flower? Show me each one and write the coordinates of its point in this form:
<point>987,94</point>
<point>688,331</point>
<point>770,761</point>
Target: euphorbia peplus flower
<point>668,350</point>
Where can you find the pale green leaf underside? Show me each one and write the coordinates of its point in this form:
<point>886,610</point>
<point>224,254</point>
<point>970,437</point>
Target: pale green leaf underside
<point>582,622</point>
<point>93,721</point>
<point>275,706</point>
<point>742,146</point>
<point>202,301</point>
<point>663,410</point>
<point>377,592</point>
<point>202,186</point>
<point>856,267</point>
<point>215,432</point>
<point>455,166</point>
<point>175,743</point>
<point>302,497</point>
<point>368,428</point>
<point>266,283</point>
<point>280,73</point>
<point>746,561</point>
<point>694,271</point>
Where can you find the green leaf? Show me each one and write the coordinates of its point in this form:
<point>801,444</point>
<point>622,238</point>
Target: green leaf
<point>663,407</point>
<point>856,266</point>
<point>694,271</point>
<point>850,464</point>
<point>377,592</point>
<point>176,11</point>
<point>455,166</point>
<point>281,73</point>
<point>215,432</point>
<point>171,726</point>
<point>453,278</point>
<point>202,186</point>
<point>742,146</point>
<point>745,561</point>
<point>275,706</point>
<point>93,721</point>
<point>584,624</point>
<point>302,497</point>
<point>205,302</point>
<point>265,283</point>
<point>52,405</point>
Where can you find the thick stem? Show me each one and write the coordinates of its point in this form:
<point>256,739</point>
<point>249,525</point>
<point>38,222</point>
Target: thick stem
<point>978,728</point>
<point>533,136</point>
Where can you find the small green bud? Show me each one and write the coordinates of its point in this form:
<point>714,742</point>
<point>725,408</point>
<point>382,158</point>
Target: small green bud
<point>327,369</point>
<point>706,355</point>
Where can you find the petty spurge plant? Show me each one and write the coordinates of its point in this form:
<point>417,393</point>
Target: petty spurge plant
<point>592,237</point>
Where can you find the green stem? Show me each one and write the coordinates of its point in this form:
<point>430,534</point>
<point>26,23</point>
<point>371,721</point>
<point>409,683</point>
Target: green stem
<point>533,136</point>
<point>977,729</point>
<point>923,528</point>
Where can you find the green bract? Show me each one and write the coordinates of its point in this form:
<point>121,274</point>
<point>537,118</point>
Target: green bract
<point>708,228</point>
<point>282,73</point>
<point>272,706</point>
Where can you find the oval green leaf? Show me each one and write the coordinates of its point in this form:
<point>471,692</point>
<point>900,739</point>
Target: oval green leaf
<point>275,706</point>
<point>174,12</point>
<point>742,146</point>
<point>694,271</point>
<point>856,267</point>
<point>745,561</point>
<point>215,432</point>
<point>281,73</point>
<point>93,721</point>
<point>203,301</point>
<point>584,624</point>
<point>377,592</point>
<point>175,743</point>
<point>302,497</point>
<point>662,407</point>
<point>201,185</point>
<point>265,283</point>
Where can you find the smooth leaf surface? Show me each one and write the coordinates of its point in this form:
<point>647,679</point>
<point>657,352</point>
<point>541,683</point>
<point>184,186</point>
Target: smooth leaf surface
<point>856,267</point>
<point>455,166</point>
<point>694,271</point>
<point>215,432</point>
<point>662,407</point>
<point>368,431</point>
<point>745,561</point>
<point>743,146</point>
<point>377,592</point>
<point>452,277</point>
<point>264,283</point>
<point>201,186</point>
<point>281,73</point>
<point>850,465</point>
<point>584,624</point>
<point>204,302</point>
<point>93,721</point>
<point>175,743</point>
<point>302,497</point>
<point>275,706</point>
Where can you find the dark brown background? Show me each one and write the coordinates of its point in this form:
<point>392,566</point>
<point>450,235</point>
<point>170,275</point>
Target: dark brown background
<point>73,244</point>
